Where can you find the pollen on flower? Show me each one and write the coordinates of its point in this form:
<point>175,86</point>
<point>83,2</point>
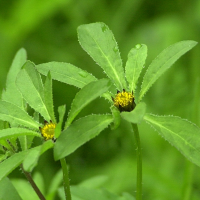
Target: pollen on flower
<point>124,101</point>
<point>48,130</point>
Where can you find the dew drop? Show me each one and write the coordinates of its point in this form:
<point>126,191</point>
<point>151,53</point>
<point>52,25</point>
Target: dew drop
<point>104,28</point>
<point>138,46</point>
<point>115,49</point>
<point>83,74</point>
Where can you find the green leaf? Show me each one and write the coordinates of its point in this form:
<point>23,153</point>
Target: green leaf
<point>61,112</point>
<point>182,134</point>
<point>8,191</point>
<point>79,133</point>
<point>135,64</point>
<point>26,141</point>
<point>11,94</point>
<point>85,96</point>
<point>48,97</point>
<point>99,42</point>
<point>8,165</point>
<point>136,115</point>
<point>30,85</point>
<point>24,189</point>
<point>33,155</point>
<point>83,193</point>
<point>15,132</point>
<point>54,185</point>
<point>13,114</point>
<point>66,73</point>
<point>116,117</point>
<point>163,61</point>
<point>94,182</point>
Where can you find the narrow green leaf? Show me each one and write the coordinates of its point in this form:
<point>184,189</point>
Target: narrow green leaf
<point>99,42</point>
<point>13,114</point>
<point>24,189</point>
<point>182,134</point>
<point>94,182</point>
<point>79,133</point>
<point>26,141</point>
<point>61,112</point>
<point>84,193</point>
<point>54,185</point>
<point>30,85</point>
<point>11,94</point>
<point>15,132</point>
<point>136,115</point>
<point>85,96</point>
<point>135,64</point>
<point>66,73</point>
<point>116,118</point>
<point>33,155</point>
<point>8,191</point>
<point>8,165</point>
<point>48,97</point>
<point>163,61</point>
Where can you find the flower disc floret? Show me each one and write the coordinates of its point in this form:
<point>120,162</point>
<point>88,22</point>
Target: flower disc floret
<point>48,130</point>
<point>124,101</point>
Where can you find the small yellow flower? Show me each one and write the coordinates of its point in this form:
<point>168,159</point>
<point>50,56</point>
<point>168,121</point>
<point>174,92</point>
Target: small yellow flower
<point>124,101</point>
<point>48,130</point>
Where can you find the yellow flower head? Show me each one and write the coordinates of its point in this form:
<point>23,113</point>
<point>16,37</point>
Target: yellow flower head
<point>124,101</point>
<point>48,131</point>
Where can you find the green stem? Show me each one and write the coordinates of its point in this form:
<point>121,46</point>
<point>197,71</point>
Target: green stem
<point>139,163</point>
<point>31,181</point>
<point>65,179</point>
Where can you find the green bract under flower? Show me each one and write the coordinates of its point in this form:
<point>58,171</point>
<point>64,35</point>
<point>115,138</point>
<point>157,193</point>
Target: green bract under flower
<point>48,131</point>
<point>124,101</point>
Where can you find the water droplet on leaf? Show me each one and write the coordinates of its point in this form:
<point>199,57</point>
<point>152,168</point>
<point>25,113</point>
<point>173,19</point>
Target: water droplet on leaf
<point>138,46</point>
<point>83,74</point>
<point>115,49</point>
<point>104,28</point>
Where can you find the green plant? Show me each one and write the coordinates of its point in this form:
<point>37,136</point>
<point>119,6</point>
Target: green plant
<point>27,110</point>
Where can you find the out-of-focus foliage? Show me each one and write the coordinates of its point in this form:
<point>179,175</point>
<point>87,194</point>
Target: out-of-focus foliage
<point>47,30</point>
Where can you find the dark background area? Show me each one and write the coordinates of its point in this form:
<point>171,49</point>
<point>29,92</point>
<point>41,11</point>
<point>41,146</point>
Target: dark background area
<point>47,30</point>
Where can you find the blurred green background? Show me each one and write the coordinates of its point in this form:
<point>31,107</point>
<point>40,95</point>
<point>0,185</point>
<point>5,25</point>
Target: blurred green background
<point>47,30</point>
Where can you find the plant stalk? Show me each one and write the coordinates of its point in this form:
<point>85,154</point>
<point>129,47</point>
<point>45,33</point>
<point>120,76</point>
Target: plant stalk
<point>31,181</point>
<point>66,179</point>
<point>139,162</point>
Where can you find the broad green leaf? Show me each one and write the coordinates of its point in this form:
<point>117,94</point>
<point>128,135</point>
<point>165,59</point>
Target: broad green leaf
<point>163,61</point>
<point>66,73</point>
<point>30,85</point>
<point>79,133</point>
<point>61,112</point>
<point>11,94</point>
<point>99,42</point>
<point>8,165</point>
<point>116,117</point>
<point>48,97</point>
<point>85,96</point>
<point>14,114</point>
<point>136,115</point>
<point>8,191</point>
<point>15,132</point>
<point>135,64</point>
<point>182,134</point>
<point>33,155</point>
